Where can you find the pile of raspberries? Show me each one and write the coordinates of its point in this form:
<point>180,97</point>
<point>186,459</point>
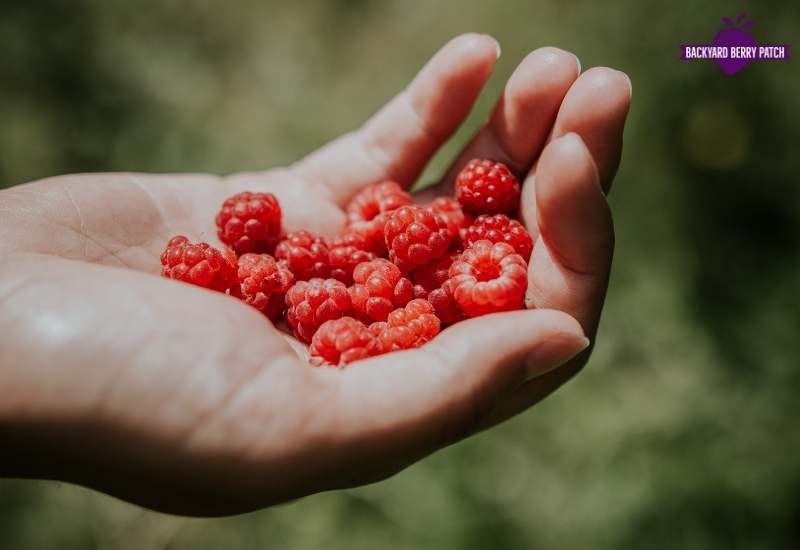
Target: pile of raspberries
<point>390,281</point>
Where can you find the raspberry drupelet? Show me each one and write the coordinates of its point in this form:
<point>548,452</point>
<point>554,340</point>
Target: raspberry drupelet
<point>415,236</point>
<point>311,303</point>
<point>345,252</point>
<point>405,328</point>
<point>366,212</point>
<point>500,228</point>
<point>263,283</point>
<point>488,277</point>
<point>486,187</point>
<point>199,264</point>
<point>306,254</point>
<point>379,288</point>
<point>250,222</point>
<point>453,215</point>
<point>341,341</point>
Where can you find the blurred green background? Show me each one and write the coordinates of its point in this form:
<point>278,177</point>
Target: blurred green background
<point>681,433</point>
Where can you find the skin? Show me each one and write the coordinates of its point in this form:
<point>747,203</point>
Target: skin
<point>188,401</point>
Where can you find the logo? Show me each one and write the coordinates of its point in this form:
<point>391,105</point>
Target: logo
<point>733,48</point>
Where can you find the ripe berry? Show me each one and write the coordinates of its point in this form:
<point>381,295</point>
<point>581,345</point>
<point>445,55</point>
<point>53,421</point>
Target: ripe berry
<point>379,288</point>
<point>366,212</point>
<point>345,252</point>
<point>306,254</point>
<point>420,292</point>
<point>432,275</point>
<point>263,283</point>
<point>447,310</point>
<point>500,228</point>
<point>199,264</point>
<point>486,187</point>
<point>340,341</point>
<point>313,302</point>
<point>488,277</point>
<point>452,213</point>
<point>428,283</point>
<point>415,236</point>
<point>407,327</point>
<point>250,222</point>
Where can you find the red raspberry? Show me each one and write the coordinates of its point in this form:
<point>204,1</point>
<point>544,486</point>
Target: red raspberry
<point>250,222</point>
<point>199,264</point>
<point>341,341</point>
<point>365,213</point>
<point>263,283</point>
<point>447,310</point>
<point>428,280</point>
<point>488,277</point>
<point>306,254</point>
<point>415,236</point>
<point>486,187</point>
<point>420,292</point>
<point>500,228</point>
<point>345,253</point>
<point>432,275</point>
<point>450,210</point>
<point>379,288</point>
<point>313,302</point>
<point>405,328</point>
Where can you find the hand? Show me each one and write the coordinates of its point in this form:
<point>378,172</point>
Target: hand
<point>191,402</point>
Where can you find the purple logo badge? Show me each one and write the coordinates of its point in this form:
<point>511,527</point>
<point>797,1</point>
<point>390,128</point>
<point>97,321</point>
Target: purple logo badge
<point>734,48</point>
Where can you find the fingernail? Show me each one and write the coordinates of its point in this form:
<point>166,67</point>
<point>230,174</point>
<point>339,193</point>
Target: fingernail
<point>630,85</point>
<point>498,51</point>
<point>577,62</point>
<point>553,354</point>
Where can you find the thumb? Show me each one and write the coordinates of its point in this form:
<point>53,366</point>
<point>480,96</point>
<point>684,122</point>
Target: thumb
<point>410,403</point>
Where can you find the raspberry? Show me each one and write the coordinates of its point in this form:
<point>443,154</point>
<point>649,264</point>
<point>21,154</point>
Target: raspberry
<point>372,233</point>
<point>447,310</point>
<point>486,187</point>
<point>345,253</point>
<point>199,264</point>
<point>379,288</point>
<point>306,254</point>
<point>341,341</point>
<point>250,222</point>
<point>420,292</point>
<point>366,212</point>
<point>432,275</point>
<point>500,228</point>
<point>488,277</point>
<point>415,236</point>
<point>313,302</point>
<point>263,282</point>
<point>450,211</point>
<point>407,327</point>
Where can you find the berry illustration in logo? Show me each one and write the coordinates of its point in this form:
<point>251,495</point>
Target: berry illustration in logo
<point>733,35</point>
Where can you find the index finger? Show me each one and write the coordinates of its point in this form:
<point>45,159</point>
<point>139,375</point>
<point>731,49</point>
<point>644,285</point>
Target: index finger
<point>397,142</point>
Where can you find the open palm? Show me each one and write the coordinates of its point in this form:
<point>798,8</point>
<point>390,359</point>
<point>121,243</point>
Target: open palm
<point>189,401</point>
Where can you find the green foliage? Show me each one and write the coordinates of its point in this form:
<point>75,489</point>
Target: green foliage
<point>679,434</point>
